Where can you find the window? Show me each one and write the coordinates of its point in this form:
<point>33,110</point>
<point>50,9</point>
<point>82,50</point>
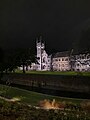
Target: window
<point>62,59</point>
<point>88,56</point>
<point>78,70</point>
<point>56,59</point>
<point>44,59</point>
<point>66,59</point>
<point>77,64</point>
<point>43,67</point>
<point>38,58</point>
<point>83,57</point>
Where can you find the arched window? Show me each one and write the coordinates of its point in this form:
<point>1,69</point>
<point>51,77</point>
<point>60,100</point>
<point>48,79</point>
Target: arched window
<point>83,56</point>
<point>87,56</point>
<point>44,59</point>
<point>62,59</point>
<point>78,64</point>
<point>43,67</point>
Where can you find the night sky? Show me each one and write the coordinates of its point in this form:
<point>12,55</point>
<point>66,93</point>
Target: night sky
<point>59,22</point>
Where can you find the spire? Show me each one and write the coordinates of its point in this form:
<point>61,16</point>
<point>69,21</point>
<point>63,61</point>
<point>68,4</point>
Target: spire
<point>40,38</point>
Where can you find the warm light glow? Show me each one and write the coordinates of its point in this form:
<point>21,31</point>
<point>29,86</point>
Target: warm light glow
<point>47,104</point>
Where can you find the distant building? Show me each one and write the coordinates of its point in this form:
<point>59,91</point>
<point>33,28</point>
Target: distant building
<point>60,61</point>
<point>82,62</point>
<point>44,60</point>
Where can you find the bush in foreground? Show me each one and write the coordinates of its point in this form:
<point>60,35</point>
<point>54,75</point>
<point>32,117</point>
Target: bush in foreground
<point>19,111</point>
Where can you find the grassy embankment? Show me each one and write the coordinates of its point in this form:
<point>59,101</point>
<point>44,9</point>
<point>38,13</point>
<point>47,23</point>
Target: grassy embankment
<point>10,110</point>
<point>30,97</point>
<point>71,73</point>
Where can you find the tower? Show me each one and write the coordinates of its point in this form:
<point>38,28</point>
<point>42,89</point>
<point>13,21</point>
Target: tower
<point>40,48</point>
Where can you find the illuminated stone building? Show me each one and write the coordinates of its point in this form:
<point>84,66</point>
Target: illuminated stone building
<point>56,62</point>
<point>82,62</point>
<point>61,61</point>
<point>44,60</point>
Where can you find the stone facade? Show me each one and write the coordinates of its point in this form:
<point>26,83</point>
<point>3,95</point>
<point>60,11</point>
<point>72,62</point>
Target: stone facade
<point>56,62</point>
<point>44,60</point>
<point>60,61</point>
<point>82,62</point>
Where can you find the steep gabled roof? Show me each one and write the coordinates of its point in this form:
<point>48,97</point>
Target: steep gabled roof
<point>61,54</point>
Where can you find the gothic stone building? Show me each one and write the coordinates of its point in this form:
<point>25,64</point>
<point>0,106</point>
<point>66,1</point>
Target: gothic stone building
<point>44,61</point>
<point>81,62</point>
<point>60,61</point>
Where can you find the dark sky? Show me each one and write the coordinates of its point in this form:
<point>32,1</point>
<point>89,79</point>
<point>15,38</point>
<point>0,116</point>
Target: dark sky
<point>59,22</point>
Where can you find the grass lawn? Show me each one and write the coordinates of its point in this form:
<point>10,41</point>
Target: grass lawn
<point>57,72</point>
<point>30,97</point>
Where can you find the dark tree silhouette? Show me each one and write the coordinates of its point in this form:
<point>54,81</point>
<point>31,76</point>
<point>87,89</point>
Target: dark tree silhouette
<point>9,62</point>
<point>25,57</point>
<point>15,58</point>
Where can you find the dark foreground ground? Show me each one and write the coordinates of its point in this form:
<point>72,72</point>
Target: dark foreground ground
<point>20,104</point>
<point>18,111</point>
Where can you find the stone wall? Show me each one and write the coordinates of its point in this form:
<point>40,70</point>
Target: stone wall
<point>56,82</point>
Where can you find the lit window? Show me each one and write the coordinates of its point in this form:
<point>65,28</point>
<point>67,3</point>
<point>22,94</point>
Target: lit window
<point>62,59</point>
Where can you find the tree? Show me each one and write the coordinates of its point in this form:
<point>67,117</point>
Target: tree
<point>9,62</point>
<point>25,57</point>
<point>13,59</point>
